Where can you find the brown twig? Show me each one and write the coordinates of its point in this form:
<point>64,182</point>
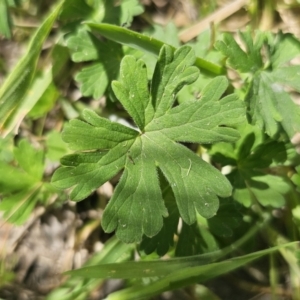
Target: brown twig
<point>216,17</point>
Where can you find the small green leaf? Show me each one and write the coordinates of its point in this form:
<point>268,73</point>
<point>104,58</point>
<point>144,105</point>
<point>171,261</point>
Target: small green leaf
<point>30,159</point>
<point>249,61</point>
<point>284,47</point>
<point>22,186</point>
<point>269,105</point>
<point>251,157</point>
<point>93,80</point>
<point>106,57</point>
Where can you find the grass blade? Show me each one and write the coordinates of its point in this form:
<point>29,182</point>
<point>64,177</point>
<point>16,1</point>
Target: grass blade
<point>187,276</point>
<point>145,43</point>
<point>18,83</point>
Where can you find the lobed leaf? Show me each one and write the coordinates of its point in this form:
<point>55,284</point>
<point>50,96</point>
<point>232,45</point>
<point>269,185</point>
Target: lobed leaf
<point>250,158</point>
<point>106,57</point>
<point>137,206</point>
<point>90,77</point>
<point>269,105</point>
<point>244,61</point>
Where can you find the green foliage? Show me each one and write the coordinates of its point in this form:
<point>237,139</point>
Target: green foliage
<point>192,179</point>
<point>250,157</point>
<point>106,57</point>
<point>183,276</point>
<point>195,183</point>
<point>269,104</point>
<point>101,11</point>
<point>147,43</point>
<point>18,83</point>
<point>23,186</point>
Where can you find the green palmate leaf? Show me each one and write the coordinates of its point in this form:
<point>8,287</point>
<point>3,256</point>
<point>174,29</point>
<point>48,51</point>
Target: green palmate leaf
<point>137,206</point>
<point>17,85</point>
<point>269,104</point>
